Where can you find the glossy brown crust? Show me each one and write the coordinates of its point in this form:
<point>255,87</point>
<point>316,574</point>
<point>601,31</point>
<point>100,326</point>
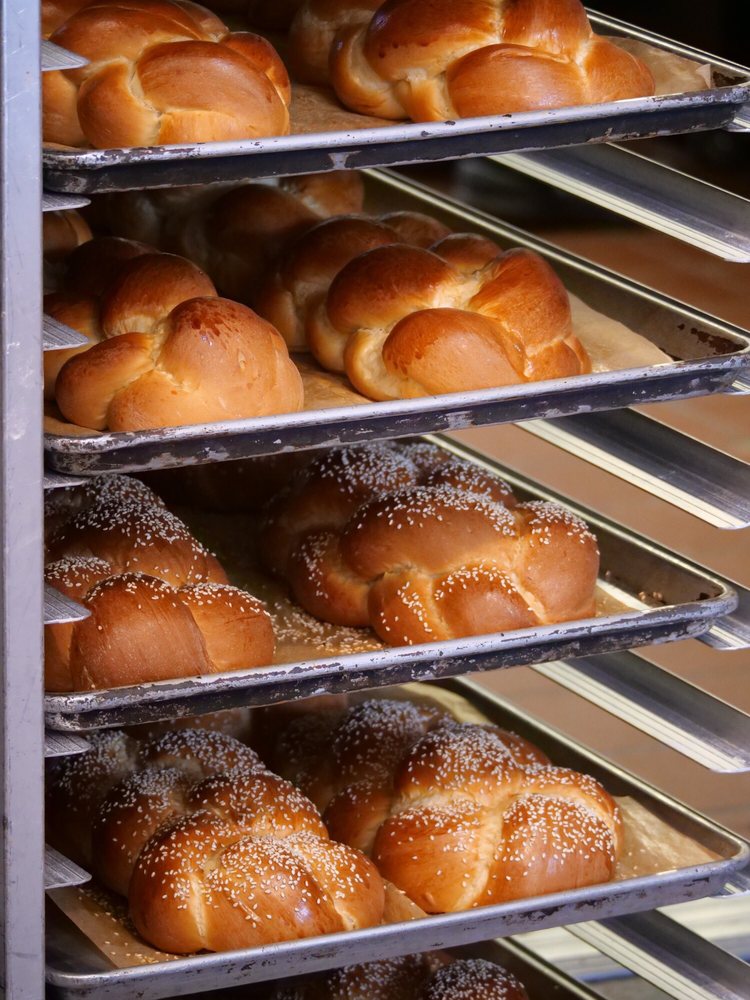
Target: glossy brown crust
<point>413,977</point>
<point>461,58</point>
<point>297,285</point>
<point>167,351</point>
<point>213,850</point>
<point>456,815</point>
<point>428,552</point>
<point>162,72</point>
<point>234,234</point>
<point>403,321</point>
<point>160,604</point>
<point>327,491</point>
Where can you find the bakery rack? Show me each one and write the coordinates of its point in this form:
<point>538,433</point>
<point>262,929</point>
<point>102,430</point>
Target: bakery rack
<point>672,467</point>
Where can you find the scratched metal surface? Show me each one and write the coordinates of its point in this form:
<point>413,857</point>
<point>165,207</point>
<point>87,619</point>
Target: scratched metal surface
<point>691,601</point>
<point>78,970</point>
<point>709,356</point>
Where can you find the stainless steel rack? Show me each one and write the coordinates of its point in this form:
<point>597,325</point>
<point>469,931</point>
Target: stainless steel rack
<point>702,728</point>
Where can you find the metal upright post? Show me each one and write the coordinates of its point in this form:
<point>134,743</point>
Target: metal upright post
<point>21,729</point>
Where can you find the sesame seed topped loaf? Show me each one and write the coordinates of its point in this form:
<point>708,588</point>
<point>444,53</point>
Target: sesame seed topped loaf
<point>412,977</point>
<point>160,604</point>
<point>457,815</point>
<point>213,850</point>
<point>423,546</point>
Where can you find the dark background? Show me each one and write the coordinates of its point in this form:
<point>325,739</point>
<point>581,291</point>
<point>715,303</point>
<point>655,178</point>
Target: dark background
<point>717,26</point>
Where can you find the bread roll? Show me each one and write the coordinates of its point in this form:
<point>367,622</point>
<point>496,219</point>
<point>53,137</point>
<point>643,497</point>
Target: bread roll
<point>426,553</point>
<point>413,977</point>
<point>214,851</point>
<point>455,814</point>
<point>162,72</point>
<point>160,604</point>
<point>470,826</point>
<point>401,321</point>
<point>77,785</point>
<point>390,979</point>
<point>120,521</point>
<point>295,288</point>
<point>168,351</point>
<point>461,58</point>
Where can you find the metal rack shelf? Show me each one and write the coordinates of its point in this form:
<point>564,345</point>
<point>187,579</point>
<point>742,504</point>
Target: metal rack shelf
<point>60,873</point>
<point>58,608</point>
<point>646,192</point>
<point>674,467</point>
<point>56,336</point>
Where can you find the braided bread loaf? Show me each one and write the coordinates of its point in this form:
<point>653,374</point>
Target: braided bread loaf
<point>160,605</point>
<point>413,977</point>
<point>295,287</point>
<point>422,547</point>
<point>461,58</point>
<point>213,851</point>
<point>459,815</point>
<point>162,72</point>
<point>403,321</point>
<point>235,234</point>
<point>166,350</point>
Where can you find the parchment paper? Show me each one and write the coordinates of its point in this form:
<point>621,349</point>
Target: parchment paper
<point>611,346</point>
<point>651,846</point>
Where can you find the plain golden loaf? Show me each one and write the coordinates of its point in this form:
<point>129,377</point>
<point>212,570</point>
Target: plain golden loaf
<point>162,72</point>
<point>403,321</point>
<point>451,59</point>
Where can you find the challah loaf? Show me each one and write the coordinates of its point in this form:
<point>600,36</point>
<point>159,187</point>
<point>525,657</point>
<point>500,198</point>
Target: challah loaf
<point>455,814</point>
<point>485,829</point>
<point>167,350</point>
<point>295,287</point>
<point>234,234</point>
<point>213,850</point>
<point>119,520</point>
<point>413,977</point>
<point>461,58</point>
<point>403,321</point>
<point>427,550</point>
<point>160,605</point>
<point>162,72</point>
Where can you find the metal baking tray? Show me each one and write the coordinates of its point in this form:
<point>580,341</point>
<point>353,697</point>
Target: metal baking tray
<point>691,600</point>
<point>92,170</point>
<point>541,979</point>
<point>78,969</point>
<point>710,356</point>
